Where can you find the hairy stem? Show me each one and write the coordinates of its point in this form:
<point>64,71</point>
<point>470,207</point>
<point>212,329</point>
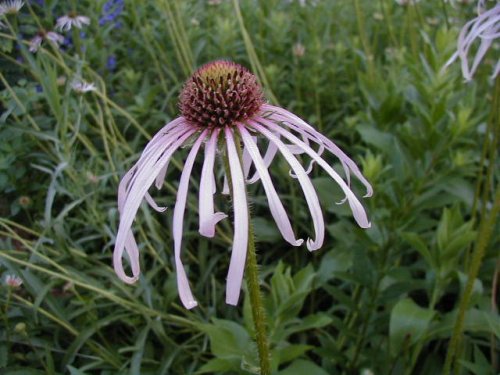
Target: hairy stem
<point>252,278</point>
<point>485,230</point>
<point>258,313</point>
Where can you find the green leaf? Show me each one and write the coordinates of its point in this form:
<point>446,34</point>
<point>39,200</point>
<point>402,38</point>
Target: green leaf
<point>290,352</point>
<point>265,230</point>
<point>311,322</point>
<point>75,371</point>
<point>333,262</point>
<point>4,355</point>
<point>418,244</point>
<point>408,324</point>
<point>302,367</point>
<point>217,365</point>
<point>227,338</point>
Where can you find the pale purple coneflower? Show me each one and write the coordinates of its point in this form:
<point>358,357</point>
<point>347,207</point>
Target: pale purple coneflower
<point>70,20</point>
<point>13,281</point>
<point>485,28</point>
<point>10,7</point>
<point>81,86</point>
<point>222,105</point>
<point>42,35</point>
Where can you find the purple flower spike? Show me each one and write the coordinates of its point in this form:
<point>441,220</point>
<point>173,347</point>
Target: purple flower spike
<point>222,107</point>
<point>485,28</point>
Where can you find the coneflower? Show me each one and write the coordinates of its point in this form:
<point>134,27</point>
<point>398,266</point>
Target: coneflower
<point>484,28</point>
<point>222,106</point>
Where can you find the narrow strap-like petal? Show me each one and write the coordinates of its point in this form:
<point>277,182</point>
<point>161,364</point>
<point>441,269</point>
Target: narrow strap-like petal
<point>356,207</point>
<point>208,219</point>
<point>143,180</point>
<point>298,124</point>
<point>152,149</point>
<point>277,210</point>
<point>240,208</point>
<point>268,158</point>
<point>306,184</point>
<point>247,161</point>
<point>178,222</point>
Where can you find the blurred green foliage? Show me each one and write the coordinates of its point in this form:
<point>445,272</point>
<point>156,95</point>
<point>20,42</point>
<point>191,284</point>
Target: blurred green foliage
<point>377,301</point>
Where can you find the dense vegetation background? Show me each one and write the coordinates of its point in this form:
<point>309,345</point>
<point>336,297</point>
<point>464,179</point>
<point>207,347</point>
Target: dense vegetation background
<point>368,74</point>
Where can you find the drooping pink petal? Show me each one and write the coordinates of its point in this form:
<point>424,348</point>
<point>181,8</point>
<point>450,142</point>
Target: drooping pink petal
<point>356,207</point>
<point>300,125</point>
<point>305,183</point>
<point>247,161</point>
<point>208,219</point>
<point>178,222</point>
<point>159,142</point>
<point>486,28</point>
<point>277,210</point>
<point>240,239</point>
<point>143,180</point>
<point>268,158</point>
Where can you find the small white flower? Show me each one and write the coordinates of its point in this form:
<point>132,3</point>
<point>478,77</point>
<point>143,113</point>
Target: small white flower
<point>82,87</point>
<point>11,7</point>
<point>54,37</point>
<point>35,43</point>
<point>51,36</point>
<point>65,23</point>
<point>13,281</point>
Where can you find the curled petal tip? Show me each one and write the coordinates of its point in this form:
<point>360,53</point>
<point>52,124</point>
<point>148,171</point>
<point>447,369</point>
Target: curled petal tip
<point>190,304</point>
<point>311,245</point>
<point>341,202</point>
<point>298,242</point>
<point>129,280</point>
<point>207,228</point>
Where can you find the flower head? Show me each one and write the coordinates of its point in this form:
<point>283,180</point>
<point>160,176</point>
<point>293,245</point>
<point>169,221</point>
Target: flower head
<point>65,23</point>
<point>13,281</point>
<point>222,106</point>
<point>42,35</point>
<point>485,28</point>
<point>81,86</point>
<point>10,7</point>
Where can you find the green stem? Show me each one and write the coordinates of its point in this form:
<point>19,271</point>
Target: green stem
<point>364,38</point>
<point>489,146</point>
<point>252,276</point>
<point>485,230</point>
<point>258,312</point>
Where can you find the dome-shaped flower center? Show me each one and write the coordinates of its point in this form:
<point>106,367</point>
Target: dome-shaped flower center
<point>220,93</point>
